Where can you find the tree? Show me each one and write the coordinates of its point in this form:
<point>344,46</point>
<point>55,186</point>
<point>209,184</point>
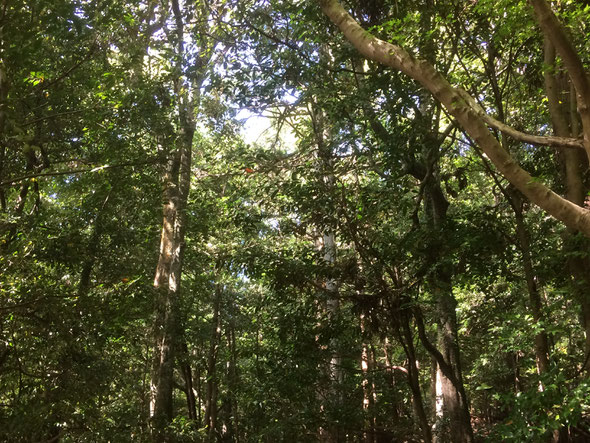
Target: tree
<point>468,114</point>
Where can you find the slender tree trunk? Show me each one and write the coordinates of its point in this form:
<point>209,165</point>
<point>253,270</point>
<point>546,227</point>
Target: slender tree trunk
<point>535,302</point>
<point>199,394</point>
<point>325,164</point>
<point>407,340</point>
<point>366,383</point>
<point>232,377</point>
<point>187,375</point>
<point>92,249</point>
<point>212,384</point>
<point>3,106</point>
<point>395,411</point>
<point>437,399</point>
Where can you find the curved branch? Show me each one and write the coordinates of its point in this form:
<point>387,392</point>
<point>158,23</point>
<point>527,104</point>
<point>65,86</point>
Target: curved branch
<point>542,140</point>
<point>453,99</point>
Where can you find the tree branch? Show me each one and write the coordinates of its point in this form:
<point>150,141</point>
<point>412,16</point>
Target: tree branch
<point>542,140</point>
<point>76,171</point>
<point>453,99</point>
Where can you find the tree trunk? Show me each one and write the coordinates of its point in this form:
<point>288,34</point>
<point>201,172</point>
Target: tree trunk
<point>187,375</point>
<point>535,302</point>
<point>407,341</point>
<point>440,282</point>
<point>454,401</point>
<point>325,164</point>
<point>167,285</point>
<point>555,33</point>
<point>212,385</point>
<point>3,105</point>
<point>437,399</point>
<point>232,379</point>
<point>167,280</point>
<point>367,385</point>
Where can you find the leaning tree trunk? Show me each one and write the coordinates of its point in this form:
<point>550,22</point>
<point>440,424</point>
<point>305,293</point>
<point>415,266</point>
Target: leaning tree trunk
<point>406,339</point>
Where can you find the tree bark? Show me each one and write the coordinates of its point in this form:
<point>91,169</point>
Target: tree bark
<point>167,280</point>
<point>212,385</point>
<point>535,302</point>
<point>332,433</point>
<point>455,405</point>
<point>453,394</point>
<point>167,285</point>
<point>3,105</point>
<point>187,375</point>
<point>407,341</point>
<point>233,430</point>
<point>367,385</point>
<point>465,110</point>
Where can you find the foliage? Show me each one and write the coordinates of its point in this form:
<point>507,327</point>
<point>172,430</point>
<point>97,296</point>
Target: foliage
<point>288,342</point>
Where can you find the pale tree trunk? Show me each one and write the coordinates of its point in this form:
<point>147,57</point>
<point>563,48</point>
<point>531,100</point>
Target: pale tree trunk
<point>167,284</point>
<point>333,308</point>
<point>177,180</point>
<point>468,114</point>
<point>455,405</point>
<point>169,267</point>
<point>437,399</point>
<point>367,385</point>
<point>332,432</point>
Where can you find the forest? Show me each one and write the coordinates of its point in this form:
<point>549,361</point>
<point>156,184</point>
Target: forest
<point>295,221</point>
